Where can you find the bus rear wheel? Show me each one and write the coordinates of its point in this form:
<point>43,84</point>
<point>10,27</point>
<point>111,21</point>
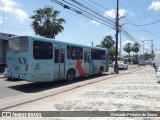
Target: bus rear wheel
<point>100,70</point>
<point>70,75</point>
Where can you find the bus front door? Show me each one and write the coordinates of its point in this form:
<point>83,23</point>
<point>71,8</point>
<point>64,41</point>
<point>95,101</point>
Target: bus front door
<point>86,62</point>
<point>59,60</point>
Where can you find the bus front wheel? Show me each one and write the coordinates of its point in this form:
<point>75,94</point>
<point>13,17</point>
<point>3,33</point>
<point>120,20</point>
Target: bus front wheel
<point>70,75</point>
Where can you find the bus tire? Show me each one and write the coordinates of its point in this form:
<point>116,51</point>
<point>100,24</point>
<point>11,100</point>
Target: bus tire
<point>70,75</point>
<point>100,70</point>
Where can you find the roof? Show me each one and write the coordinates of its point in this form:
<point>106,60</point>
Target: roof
<point>5,36</point>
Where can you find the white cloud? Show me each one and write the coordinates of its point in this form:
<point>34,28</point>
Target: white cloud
<point>112,13</point>
<point>110,33</point>
<point>95,22</point>
<point>21,15</point>
<point>154,6</point>
<point>10,6</point>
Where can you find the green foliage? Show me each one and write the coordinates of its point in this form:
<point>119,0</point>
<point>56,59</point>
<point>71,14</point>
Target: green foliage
<point>45,22</point>
<point>136,47</point>
<point>108,43</point>
<point>112,51</point>
<point>128,47</point>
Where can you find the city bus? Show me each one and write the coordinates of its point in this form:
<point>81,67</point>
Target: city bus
<point>38,59</point>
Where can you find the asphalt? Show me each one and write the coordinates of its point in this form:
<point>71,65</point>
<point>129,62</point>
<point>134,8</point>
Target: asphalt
<point>132,91</point>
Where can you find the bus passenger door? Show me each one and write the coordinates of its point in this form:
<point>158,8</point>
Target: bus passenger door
<point>59,61</point>
<point>86,62</point>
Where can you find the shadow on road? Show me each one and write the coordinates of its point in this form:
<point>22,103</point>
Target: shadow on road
<point>38,87</point>
<point>13,80</point>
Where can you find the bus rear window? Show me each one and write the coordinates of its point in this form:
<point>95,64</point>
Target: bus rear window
<point>18,44</point>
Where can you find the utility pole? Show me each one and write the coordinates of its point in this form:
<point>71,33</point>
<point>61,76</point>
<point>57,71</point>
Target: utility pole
<point>116,69</point>
<point>92,43</point>
<point>120,51</point>
<point>152,50</point>
<point>143,48</point>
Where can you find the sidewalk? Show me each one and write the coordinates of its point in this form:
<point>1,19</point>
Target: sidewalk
<point>137,91</point>
<point>1,75</point>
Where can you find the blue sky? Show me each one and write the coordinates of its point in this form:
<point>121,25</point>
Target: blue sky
<point>15,19</point>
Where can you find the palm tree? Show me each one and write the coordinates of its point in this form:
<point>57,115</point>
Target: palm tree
<point>108,42</point>
<point>128,49</point>
<point>136,47</point>
<point>45,22</point>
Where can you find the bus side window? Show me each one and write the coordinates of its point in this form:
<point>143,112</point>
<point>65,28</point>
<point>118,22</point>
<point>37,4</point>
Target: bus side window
<point>86,57</point>
<point>42,50</point>
<point>56,55</point>
<point>62,56</point>
<point>101,54</point>
<point>76,53</point>
<point>68,52</point>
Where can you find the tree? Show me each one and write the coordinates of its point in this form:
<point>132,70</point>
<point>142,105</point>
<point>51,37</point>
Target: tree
<point>45,22</point>
<point>112,52</point>
<point>136,48</point>
<point>107,42</point>
<point>128,49</point>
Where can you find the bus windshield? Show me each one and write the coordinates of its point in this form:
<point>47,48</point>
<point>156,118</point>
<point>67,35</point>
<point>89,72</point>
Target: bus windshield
<point>18,44</point>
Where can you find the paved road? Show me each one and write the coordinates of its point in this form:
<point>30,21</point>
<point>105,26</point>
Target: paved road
<point>9,88</point>
<point>135,90</point>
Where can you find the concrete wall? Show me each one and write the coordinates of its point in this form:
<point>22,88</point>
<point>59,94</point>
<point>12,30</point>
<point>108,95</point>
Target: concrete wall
<point>1,51</point>
<point>4,37</point>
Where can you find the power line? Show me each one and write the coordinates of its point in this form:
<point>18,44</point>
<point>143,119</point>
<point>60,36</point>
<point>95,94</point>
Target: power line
<point>89,9</point>
<point>99,5</point>
<point>82,12</point>
<point>131,23</point>
<point>149,23</point>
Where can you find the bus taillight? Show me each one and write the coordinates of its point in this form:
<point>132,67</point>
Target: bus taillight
<point>26,67</point>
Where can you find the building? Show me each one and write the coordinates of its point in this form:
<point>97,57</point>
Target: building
<point>4,37</point>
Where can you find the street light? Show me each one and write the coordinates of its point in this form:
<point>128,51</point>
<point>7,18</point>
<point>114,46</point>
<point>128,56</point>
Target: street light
<point>151,48</point>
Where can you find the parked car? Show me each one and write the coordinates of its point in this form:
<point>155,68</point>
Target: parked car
<point>135,62</point>
<point>158,68</point>
<point>142,62</point>
<point>121,65</point>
